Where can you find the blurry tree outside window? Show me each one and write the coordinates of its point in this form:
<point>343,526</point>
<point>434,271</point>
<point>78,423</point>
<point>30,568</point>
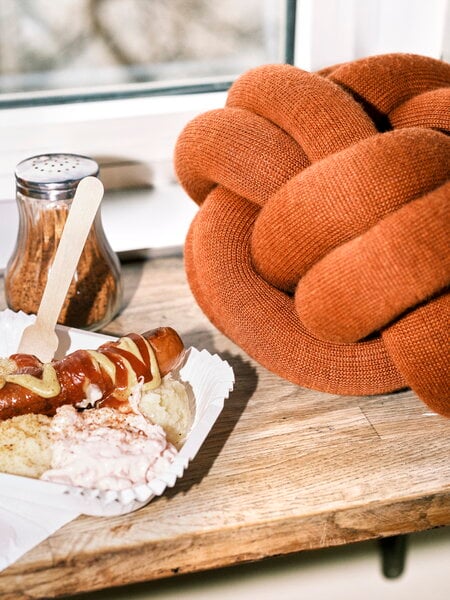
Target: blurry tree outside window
<point>56,45</point>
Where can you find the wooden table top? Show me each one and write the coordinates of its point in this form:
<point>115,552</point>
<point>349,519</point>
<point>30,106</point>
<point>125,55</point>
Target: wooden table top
<point>284,469</point>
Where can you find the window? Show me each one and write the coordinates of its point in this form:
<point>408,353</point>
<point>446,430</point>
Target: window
<point>81,49</point>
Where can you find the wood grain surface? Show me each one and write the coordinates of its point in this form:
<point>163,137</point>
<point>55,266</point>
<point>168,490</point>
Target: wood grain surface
<point>283,470</point>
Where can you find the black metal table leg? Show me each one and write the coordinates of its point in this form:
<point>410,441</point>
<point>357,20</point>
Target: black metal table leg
<point>393,555</point>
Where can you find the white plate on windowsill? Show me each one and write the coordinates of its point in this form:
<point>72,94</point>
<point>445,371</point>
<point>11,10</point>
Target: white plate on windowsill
<point>144,221</point>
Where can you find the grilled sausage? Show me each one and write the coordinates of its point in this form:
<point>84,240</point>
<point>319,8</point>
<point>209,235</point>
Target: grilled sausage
<point>104,377</point>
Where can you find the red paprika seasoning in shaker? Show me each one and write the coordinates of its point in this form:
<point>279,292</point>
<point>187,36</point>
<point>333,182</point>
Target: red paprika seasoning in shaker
<point>45,187</point>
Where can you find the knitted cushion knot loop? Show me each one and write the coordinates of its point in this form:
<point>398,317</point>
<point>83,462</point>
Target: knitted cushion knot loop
<point>321,246</point>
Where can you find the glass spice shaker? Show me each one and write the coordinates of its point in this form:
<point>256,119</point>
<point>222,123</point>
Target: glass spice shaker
<point>45,187</point>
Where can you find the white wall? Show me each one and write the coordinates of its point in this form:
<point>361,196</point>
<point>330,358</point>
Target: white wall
<point>334,31</point>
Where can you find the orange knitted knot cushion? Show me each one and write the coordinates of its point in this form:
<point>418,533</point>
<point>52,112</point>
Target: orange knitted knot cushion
<point>322,243</point>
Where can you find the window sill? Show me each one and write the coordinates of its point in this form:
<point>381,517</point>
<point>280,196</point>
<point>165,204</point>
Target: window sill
<point>132,140</point>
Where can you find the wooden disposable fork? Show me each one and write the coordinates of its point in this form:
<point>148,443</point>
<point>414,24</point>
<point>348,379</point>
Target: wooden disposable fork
<point>40,338</point>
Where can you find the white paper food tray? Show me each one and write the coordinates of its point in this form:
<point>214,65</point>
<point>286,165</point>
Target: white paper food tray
<point>210,378</point>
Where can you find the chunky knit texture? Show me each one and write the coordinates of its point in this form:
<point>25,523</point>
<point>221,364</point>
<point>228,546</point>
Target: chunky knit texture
<point>322,243</point>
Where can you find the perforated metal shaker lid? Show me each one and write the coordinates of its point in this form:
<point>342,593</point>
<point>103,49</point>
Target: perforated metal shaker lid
<point>53,176</point>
